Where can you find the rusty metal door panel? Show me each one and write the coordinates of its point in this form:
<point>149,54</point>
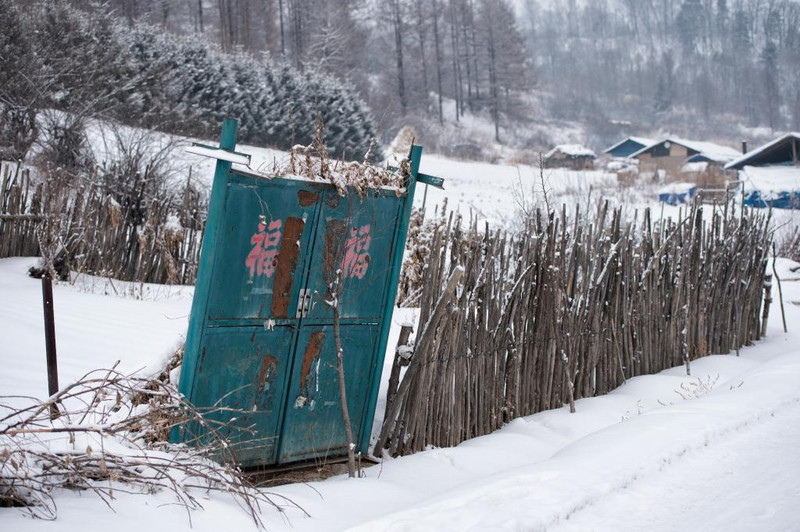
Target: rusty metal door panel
<point>313,424</point>
<point>355,235</point>
<point>245,369</point>
<point>264,248</point>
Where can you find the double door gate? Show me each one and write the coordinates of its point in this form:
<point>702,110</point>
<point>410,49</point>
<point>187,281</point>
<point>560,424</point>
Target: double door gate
<point>260,353</point>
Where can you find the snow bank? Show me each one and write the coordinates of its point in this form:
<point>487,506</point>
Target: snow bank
<point>770,179</point>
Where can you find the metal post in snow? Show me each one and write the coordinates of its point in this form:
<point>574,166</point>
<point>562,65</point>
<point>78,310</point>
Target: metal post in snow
<point>50,339</point>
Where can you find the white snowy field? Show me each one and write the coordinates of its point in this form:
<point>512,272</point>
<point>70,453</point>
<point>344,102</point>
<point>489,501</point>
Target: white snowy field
<point>714,451</point>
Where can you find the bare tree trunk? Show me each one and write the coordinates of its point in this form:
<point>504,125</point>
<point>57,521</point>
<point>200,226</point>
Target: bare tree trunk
<point>398,42</point>
<point>224,36</point>
<point>438,58</point>
<point>493,76</point>
<point>456,65</point>
<point>200,14</point>
<point>422,38</point>
<point>296,12</point>
<point>283,37</point>
<point>244,20</point>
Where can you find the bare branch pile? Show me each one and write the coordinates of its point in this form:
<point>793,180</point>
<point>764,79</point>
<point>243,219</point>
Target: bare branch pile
<point>108,434</point>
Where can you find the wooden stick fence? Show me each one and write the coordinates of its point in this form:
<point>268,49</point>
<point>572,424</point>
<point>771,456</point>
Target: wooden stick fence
<point>87,224</point>
<point>571,307</point>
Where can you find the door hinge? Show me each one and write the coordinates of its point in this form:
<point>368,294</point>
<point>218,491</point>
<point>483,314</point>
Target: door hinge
<point>303,303</point>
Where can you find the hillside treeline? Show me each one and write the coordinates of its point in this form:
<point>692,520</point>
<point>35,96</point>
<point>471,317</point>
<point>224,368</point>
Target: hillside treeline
<point>91,64</point>
<point>423,62</point>
<point>696,67</point>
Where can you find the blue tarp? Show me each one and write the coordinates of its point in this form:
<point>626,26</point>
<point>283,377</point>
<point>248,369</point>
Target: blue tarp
<point>677,198</point>
<point>778,200</point>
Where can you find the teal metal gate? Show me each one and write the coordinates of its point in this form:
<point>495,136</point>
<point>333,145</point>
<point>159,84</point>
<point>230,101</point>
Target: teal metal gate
<point>260,348</point>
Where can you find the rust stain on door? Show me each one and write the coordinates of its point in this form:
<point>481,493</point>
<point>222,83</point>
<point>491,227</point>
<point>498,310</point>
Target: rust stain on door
<point>307,198</point>
<point>287,263</point>
<point>312,353</point>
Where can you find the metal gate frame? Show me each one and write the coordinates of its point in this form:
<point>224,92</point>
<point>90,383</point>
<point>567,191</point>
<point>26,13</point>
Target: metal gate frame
<point>199,320</point>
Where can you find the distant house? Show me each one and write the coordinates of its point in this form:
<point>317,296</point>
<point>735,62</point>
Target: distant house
<point>627,147</point>
<point>572,156</point>
<point>670,155</point>
<point>770,174</point>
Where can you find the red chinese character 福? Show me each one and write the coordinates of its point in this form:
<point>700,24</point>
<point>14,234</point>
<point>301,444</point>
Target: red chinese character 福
<point>262,258</point>
<point>356,256</point>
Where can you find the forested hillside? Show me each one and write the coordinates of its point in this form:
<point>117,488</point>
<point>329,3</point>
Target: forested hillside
<point>527,69</point>
<point>699,66</point>
<point>89,63</point>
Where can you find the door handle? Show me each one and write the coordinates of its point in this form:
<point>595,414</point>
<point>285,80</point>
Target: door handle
<point>307,304</point>
<point>301,303</point>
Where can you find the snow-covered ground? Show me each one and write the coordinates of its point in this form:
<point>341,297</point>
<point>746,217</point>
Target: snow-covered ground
<point>498,193</point>
<point>716,450</point>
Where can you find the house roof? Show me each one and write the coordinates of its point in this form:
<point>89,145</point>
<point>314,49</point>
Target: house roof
<point>713,152</point>
<point>774,152</point>
<point>645,142</point>
<point>573,150</point>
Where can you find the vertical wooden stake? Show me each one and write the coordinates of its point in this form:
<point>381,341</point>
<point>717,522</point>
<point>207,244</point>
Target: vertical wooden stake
<point>767,303</point>
<point>50,340</point>
<point>780,292</point>
<point>399,361</point>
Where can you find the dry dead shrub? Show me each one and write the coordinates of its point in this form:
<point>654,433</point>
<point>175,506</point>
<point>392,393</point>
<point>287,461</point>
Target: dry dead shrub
<point>313,162</point>
<point>418,250</point>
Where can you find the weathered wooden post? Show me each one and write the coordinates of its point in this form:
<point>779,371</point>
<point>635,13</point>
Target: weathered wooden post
<point>50,340</point>
<point>767,303</point>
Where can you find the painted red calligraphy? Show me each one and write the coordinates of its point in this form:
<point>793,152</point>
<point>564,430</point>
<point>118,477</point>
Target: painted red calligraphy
<point>262,258</point>
<point>356,256</point>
